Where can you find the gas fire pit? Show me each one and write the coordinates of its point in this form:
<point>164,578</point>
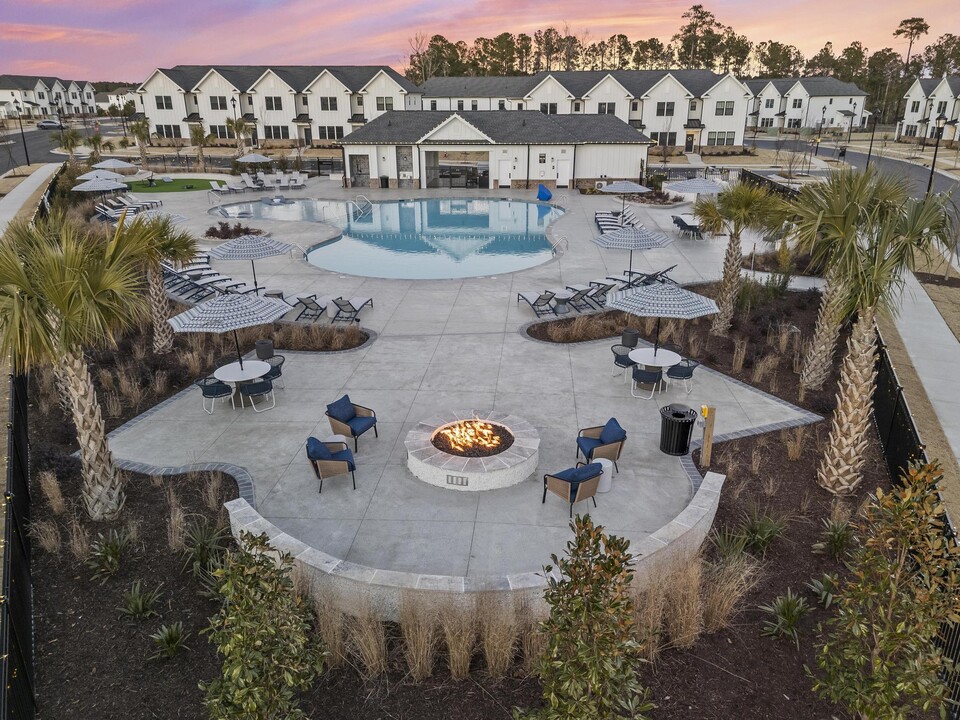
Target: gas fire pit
<point>473,452</point>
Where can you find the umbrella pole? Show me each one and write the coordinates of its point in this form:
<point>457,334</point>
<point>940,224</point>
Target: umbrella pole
<point>236,340</point>
<point>656,342</point>
<point>256,289</point>
<point>630,270</point>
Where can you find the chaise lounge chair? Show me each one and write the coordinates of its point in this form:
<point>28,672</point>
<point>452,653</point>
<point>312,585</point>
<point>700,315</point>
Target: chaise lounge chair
<point>348,310</point>
<point>539,302</point>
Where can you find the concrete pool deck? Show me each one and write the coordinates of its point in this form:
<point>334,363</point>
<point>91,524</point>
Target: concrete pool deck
<point>451,346</point>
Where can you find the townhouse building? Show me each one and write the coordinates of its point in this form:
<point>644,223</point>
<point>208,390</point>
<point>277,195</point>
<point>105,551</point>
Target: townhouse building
<point>823,104</point>
<point>284,106</point>
<point>925,101</point>
<point>43,97</point>
<point>685,110</point>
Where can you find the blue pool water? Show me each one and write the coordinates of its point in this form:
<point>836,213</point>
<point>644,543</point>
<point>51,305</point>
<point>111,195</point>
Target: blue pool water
<point>420,239</point>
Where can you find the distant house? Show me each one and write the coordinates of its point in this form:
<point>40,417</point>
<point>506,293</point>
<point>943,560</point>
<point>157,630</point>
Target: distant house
<point>492,149</point>
<point>285,106</point>
<point>685,110</point>
<point>43,97</point>
<point>816,103</point>
<point>926,100</point>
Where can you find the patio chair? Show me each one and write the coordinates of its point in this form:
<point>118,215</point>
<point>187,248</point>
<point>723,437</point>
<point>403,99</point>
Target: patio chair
<point>329,459</point>
<point>249,183</point>
<point>574,484</point>
<point>621,359</point>
<point>348,310</point>
<point>275,373</point>
<point>683,370</point>
<point>212,389</point>
<point>312,308</point>
<point>602,441</point>
<point>258,388</point>
<point>297,182</point>
<point>539,302</point>
<point>352,420</point>
<point>642,376</point>
<point>283,181</point>
<point>598,295</point>
<point>148,203</point>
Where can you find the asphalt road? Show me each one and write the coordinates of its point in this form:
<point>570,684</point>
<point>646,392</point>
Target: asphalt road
<point>39,145</point>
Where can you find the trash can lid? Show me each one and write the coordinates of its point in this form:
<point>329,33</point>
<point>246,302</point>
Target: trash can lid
<point>677,411</point>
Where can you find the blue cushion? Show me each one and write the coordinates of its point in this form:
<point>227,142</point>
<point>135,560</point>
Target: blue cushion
<point>577,475</point>
<point>316,450</point>
<point>612,432</point>
<point>359,425</point>
<point>347,457</point>
<point>342,410</point>
<point>587,445</point>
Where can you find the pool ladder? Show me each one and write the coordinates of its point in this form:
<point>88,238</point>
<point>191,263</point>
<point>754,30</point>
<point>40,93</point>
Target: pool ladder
<point>555,245</point>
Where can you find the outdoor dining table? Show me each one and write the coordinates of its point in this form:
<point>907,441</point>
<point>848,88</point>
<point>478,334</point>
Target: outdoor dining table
<point>690,220</point>
<point>233,374</point>
<point>654,358</point>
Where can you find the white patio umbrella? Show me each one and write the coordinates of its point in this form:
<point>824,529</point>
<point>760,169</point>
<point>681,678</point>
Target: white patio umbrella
<point>175,218</point>
<point>250,247</point>
<point>633,237</point>
<point>101,175</point>
<point>99,185</point>
<point>230,312</point>
<point>661,300</point>
<point>624,188</point>
<point>700,186</point>
<point>253,158</point>
<point>114,164</point>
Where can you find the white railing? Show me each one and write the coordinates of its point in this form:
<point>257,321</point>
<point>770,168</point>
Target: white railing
<point>560,241</point>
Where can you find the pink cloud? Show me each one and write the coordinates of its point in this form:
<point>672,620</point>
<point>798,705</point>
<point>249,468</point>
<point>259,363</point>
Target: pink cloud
<point>22,33</point>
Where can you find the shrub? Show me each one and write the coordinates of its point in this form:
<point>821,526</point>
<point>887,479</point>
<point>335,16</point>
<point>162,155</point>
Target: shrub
<point>460,637</point>
<point>498,634</point>
<point>835,538</point>
<point>263,635</point>
<point>47,535</point>
<point>879,655</point>
<point>724,586</point>
<point>825,589</point>
<point>785,614</point>
<point>169,639</point>
<point>418,624</point>
<point>106,553</point>
<point>138,603</point>
<point>760,529</point>
<point>204,544</point>
<point>589,668</point>
<point>224,231</point>
<point>51,491</point>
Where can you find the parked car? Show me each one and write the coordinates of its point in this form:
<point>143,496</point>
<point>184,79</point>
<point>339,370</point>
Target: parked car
<point>49,125</point>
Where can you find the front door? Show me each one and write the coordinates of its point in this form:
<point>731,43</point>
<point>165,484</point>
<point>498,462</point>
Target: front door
<point>563,173</point>
<point>688,147</point>
<point>308,136</point>
<point>503,173</point>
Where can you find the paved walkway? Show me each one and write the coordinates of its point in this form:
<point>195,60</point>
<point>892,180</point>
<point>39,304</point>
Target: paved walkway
<point>11,203</point>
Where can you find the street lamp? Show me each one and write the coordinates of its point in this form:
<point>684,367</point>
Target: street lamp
<point>940,122</point>
<point>852,118</point>
<point>823,117</point>
<point>23,137</point>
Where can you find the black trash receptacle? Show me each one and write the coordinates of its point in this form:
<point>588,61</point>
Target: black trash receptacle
<point>630,337</point>
<point>264,349</point>
<point>676,426</point>
<point>384,182</point>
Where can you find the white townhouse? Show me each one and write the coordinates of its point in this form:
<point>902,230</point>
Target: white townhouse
<point>819,103</point>
<point>492,149</point>
<point>285,105</point>
<point>682,109</point>
<point>41,97</point>
<point>118,97</point>
<point>926,100</point>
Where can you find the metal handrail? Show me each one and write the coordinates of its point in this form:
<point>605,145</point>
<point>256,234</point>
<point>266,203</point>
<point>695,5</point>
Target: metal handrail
<point>562,240</point>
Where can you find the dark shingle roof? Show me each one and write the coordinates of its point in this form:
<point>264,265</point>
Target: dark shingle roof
<point>298,77</point>
<point>954,84</point>
<point>514,86</point>
<point>501,126</point>
<point>821,86</point>
<point>18,82</point>
<point>928,85</point>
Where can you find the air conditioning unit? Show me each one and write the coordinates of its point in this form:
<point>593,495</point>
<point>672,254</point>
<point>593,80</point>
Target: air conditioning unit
<point>600,184</point>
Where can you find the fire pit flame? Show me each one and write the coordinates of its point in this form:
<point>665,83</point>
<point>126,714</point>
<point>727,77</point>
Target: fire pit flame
<point>473,438</point>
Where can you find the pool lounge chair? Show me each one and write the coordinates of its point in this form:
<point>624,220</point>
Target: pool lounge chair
<point>249,183</point>
<point>574,484</point>
<point>578,301</point>
<point>348,310</point>
<point>297,182</point>
<point>153,203</point>
<point>311,308</point>
<point>540,302</point>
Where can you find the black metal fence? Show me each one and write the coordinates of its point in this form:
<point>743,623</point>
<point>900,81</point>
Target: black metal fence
<point>902,446</point>
<point>17,699</point>
<point>752,178</point>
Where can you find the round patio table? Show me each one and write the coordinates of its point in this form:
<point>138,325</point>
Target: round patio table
<point>233,373</point>
<point>661,359</point>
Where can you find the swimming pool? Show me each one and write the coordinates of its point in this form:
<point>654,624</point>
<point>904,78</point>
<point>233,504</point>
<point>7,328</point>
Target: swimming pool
<point>420,239</point>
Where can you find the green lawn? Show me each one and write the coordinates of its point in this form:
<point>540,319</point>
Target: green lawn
<point>178,185</point>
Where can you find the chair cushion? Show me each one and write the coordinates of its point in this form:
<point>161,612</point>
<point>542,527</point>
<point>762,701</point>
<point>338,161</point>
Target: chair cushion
<point>317,450</point>
<point>587,445</point>
<point>612,432</point>
<point>577,475</point>
<point>345,456</point>
<point>359,425</point>
<point>342,410</point>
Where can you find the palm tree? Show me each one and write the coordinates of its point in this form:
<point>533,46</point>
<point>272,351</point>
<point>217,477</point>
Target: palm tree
<point>98,146</point>
<point>61,292</point>
<point>71,140</point>
<point>240,128</point>
<point>872,268</point>
<point>140,129</point>
<point>739,208</point>
<point>163,243</point>
<point>200,138</point>
<point>827,219</point>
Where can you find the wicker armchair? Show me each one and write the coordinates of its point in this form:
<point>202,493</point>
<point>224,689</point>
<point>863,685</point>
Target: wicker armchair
<point>574,484</point>
<point>329,459</point>
<point>602,441</point>
<point>352,420</point>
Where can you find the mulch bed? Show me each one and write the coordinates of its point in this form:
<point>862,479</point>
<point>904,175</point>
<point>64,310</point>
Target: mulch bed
<point>938,279</point>
<point>803,264</point>
<point>91,663</point>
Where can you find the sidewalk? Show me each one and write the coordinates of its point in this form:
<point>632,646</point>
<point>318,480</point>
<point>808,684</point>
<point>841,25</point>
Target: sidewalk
<point>11,203</point>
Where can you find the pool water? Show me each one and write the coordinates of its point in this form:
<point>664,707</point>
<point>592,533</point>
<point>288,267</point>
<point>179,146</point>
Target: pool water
<point>420,239</point>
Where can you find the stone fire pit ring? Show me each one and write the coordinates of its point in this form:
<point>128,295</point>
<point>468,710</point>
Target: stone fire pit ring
<point>472,474</point>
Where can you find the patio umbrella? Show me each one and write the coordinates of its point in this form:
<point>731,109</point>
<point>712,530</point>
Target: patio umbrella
<point>700,186</point>
<point>114,164</point>
<point>99,185</point>
<point>253,158</point>
<point>230,312</point>
<point>661,300</point>
<point>624,188</point>
<point>633,237</point>
<point>175,218</point>
<point>250,247</point>
<point>101,175</point>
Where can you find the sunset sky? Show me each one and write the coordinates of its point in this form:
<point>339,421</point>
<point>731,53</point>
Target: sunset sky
<point>125,39</point>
